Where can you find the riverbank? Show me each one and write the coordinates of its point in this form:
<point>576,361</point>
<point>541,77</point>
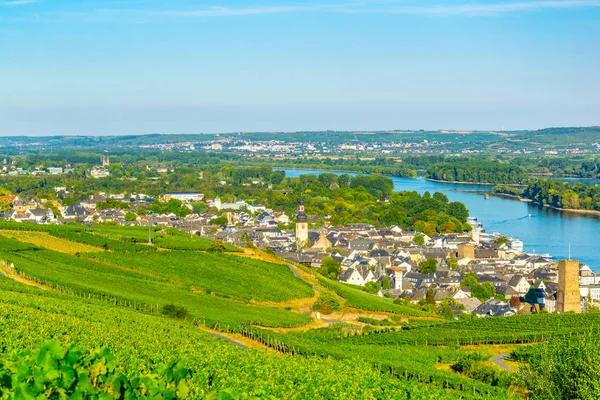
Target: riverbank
<point>474,183</point>
<point>511,196</point>
<point>573,210</point>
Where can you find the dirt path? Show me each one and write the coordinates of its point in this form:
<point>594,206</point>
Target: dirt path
<point>9,273</point>
<point>499,361</point>
<point>236,339</point>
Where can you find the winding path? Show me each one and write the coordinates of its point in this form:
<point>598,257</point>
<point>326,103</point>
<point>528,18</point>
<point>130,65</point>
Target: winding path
<point>235,342</point>
<point>499,361</point>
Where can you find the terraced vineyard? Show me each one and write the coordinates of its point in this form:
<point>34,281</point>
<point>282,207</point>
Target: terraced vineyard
<point>101,287</point>
<point>126,287</point>
<point>357,298</point>
<point>516,329</point>
<point>220,273</point>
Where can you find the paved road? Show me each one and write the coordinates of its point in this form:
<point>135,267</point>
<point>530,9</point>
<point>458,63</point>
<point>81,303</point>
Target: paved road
<point>499,361</point>
<point>235,342</point>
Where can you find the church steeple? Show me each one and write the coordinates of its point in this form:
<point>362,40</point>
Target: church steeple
<point>302,217</point>
<point>301,227</point>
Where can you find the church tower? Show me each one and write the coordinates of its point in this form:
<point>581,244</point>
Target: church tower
<point>301,226</point>
<point>568,297</point>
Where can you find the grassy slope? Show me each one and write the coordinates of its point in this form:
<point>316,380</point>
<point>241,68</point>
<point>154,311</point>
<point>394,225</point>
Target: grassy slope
<point>357,298</point>
<point>234,276</point>
<point>29,316</point>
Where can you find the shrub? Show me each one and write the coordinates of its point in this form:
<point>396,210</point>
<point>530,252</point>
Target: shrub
<point>173,311</point>
<point>327,303</point>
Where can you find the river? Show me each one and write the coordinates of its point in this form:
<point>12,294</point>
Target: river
<point>543,230</point>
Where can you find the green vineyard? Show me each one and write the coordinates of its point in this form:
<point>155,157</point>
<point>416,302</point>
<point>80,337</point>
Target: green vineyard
<point>156,308</point>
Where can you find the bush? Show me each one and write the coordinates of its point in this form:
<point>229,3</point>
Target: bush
<point>327,303</point>
<point>173,311</point>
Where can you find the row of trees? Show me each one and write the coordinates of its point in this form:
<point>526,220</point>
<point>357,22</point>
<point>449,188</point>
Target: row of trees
<point>478,172</point>
<point>564,195</point>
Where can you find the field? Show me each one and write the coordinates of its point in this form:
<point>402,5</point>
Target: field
<point>44,239</point>
<point>102,287</point>
<point>220,273</point>
<point>356,298</point>
<point>141,343</point>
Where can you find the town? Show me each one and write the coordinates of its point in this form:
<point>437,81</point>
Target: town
<point>472,273</point>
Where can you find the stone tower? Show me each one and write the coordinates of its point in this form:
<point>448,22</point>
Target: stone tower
<point>301,226</point>
<point>568,297</point>
<point>105,161</point>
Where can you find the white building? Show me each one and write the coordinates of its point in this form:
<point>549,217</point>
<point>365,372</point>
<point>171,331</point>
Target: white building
<point>186,197</point>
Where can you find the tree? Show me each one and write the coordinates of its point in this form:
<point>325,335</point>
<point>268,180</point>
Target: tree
<point>326,303</point>
<point>447,312</point>
<point>217,246</point>
<point>502,240</point>
<point>458,210</point>
<point>386,283</point>
<point>515,302</point>
<point>452,264</point>
<point>430,297</point>
<point>330,268</point>
<point>222,220</point>
<point>372,287</point>
<point>4,205</point>
<point>428,266</point>
<point>199,207</point>
<point>130,217</point>
<point>484,291</point>
<point>419,239</point>
<point>469,280</point>
<point>531,297</point>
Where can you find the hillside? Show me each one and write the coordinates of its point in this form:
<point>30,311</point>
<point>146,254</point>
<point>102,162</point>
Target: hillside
<point>155,307</point>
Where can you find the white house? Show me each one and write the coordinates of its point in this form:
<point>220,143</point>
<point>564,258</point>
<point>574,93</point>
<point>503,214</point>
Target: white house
<point>185,197</point>
<point>520,284</point>
<point>357,276</point>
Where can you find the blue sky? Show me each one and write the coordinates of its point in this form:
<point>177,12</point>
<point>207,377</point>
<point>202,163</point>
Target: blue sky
<point>181,66</point>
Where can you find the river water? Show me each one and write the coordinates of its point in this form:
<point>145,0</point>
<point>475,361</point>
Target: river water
<point>543,230</point>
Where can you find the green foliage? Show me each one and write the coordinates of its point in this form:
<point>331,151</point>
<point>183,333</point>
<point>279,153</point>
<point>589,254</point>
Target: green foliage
<point>375,322</point>
<point>452,264</point>
<point>130,217</point>
<point>491,172</point>
<point>469,280</point>
<point>4,205</point>
<point>330,267</point>
<point>510,190</point>
<point>173,206</point>
<point>56,372</point>
<point>217,246</point>
<point>484,291</point>
<point>502,240</point>
<point>372,287</point>
<point>357,298</point>
<point>173,311</point>
<point>430,297</point>
<point>565,368</point>
<point>419,239</point>
<point>327,303</point>
<point>564,195</point>
<point>386,283</point>
<point>428,266</point>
